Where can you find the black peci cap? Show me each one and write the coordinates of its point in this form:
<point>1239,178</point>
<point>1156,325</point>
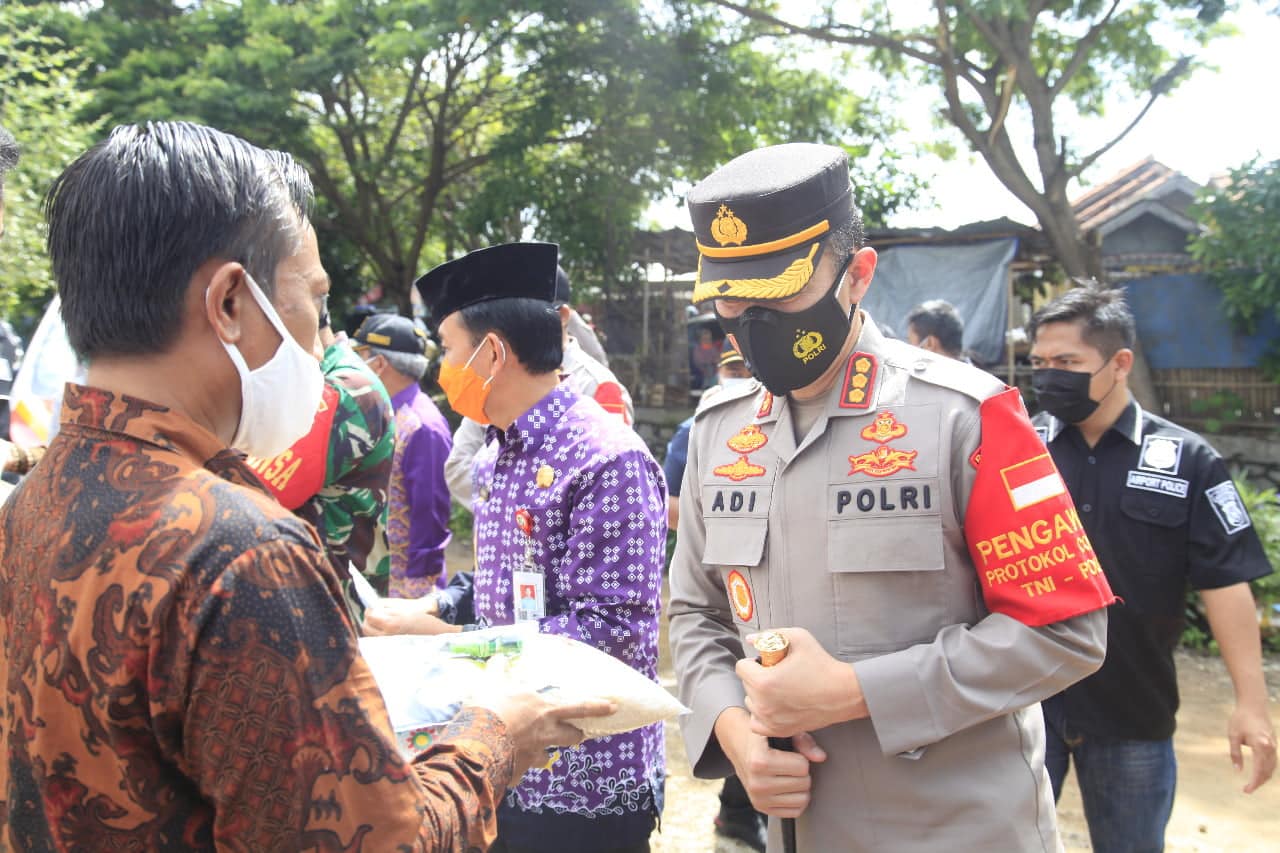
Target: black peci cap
<point>508,271</point>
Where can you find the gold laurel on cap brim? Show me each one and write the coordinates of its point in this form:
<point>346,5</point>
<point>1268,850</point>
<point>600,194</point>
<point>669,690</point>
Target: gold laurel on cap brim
<point>787,283</point>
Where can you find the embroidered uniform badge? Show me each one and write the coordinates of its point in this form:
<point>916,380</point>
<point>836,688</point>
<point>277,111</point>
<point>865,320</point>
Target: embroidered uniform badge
<point>740,598</point>
<point>1161,454</point>
<point>884,428</point>
<point>739,470</point>
<point>728,229</point>
<point>766,406</point>
<point>748,440</point>
<point>883,461</point>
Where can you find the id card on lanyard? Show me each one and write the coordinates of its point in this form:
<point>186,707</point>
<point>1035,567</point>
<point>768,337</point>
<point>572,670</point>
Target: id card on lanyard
<point>528,583</point>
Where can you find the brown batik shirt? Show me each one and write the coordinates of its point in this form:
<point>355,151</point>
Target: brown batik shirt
<point>179,674</point>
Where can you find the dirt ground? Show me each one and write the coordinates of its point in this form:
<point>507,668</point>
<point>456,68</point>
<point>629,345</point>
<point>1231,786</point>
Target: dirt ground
<point>1210,814</point>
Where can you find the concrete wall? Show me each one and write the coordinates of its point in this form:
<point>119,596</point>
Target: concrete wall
<point>1259,458</point>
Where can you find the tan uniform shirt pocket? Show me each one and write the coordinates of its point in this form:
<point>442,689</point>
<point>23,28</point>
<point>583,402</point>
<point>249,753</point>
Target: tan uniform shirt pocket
<point>888,583</point>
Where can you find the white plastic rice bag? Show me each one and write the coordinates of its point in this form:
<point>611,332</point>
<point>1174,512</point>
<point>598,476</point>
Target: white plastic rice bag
<point>425,680</point>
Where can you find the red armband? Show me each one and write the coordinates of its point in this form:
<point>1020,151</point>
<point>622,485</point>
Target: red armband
<point>1034,560</point>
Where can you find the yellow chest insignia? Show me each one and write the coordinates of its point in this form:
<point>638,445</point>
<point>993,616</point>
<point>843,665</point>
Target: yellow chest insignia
<point>766,406</point>
<point>748,440</point>
<point>739,470</point>
<point>808,346</point>
<point>859,381</point>
<point>740,598</point>
<point>884,428</point>
<point>883,461</point>
<point>727,229</point>
<point>545,477</point>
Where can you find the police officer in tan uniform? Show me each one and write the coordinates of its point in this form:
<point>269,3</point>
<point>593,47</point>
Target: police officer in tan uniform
<point>894,515</point>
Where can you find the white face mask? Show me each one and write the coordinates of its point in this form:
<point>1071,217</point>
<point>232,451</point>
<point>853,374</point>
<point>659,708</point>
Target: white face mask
<point>278,400</point>
<point>731,382</point>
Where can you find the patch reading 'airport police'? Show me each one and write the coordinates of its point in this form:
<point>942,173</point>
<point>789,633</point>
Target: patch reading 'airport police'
<point>1227,505</point>
<point>1158,483</point>
<point>1161,454</point>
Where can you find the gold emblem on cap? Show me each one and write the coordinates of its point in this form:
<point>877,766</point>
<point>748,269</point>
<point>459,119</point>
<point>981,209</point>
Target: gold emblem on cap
<point>545,477</point>
<point>727,229</point>
<point>808,346</point>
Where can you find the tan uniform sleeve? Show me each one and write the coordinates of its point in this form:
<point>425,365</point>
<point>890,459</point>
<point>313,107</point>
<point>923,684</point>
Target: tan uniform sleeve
<point>972,673</point>
<point>704,642</point>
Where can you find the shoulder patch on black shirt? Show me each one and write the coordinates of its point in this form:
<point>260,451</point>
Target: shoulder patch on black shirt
<point>1227,505</point>
<point>1161,454</point>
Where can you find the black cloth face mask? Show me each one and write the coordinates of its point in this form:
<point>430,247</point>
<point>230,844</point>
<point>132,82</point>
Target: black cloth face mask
<point>788,350</point>
<point>1065,393</point>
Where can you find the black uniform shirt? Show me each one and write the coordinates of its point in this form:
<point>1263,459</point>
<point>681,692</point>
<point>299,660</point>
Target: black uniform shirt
<point>1162,513</point>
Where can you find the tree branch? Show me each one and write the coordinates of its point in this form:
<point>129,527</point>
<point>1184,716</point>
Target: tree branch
<point>1156,91</point>
<point>850,35</point>
<point>1082,50</point>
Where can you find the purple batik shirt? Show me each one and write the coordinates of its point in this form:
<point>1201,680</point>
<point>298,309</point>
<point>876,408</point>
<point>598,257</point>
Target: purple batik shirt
<point>418,500</point>
<point>599,534</point>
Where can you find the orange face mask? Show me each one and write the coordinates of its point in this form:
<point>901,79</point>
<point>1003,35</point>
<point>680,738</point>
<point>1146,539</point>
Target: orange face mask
<point>464,388</point>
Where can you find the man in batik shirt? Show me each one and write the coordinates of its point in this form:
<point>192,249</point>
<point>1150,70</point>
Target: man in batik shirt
<point>178,672</point>
<point>570,532</point>
<point>418,510</point>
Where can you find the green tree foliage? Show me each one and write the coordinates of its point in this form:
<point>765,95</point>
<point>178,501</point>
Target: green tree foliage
<point>434,126</point>
<point>1018,77</point>
<point>38,100</point>
<point>1241,248</point>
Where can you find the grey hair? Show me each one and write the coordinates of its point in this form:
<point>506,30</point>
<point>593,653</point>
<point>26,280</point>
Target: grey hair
<point>134,217</point>
<point>407,364</point>
<point>848,238</point>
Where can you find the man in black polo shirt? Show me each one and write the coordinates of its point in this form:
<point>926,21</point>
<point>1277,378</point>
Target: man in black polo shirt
<point>1162,512</point>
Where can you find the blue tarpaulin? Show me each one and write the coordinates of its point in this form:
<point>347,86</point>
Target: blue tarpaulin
<point>973,277</point>
<point>1181,324</point>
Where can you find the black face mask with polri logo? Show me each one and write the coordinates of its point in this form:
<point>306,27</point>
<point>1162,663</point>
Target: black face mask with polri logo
<point>789,350</point>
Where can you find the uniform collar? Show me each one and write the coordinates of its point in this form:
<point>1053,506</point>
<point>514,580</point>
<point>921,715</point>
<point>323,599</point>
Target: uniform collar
<point>1129,424</point>
<point>405,397</point>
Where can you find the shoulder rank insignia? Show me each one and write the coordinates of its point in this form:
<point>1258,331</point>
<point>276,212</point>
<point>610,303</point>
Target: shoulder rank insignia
<point>739,470</point>
<point>884,428</point>
<point>883,461</point>
<point>748,440</point>
<point>766,405</point>
<point>859,381</point>
<point>728,229</point>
